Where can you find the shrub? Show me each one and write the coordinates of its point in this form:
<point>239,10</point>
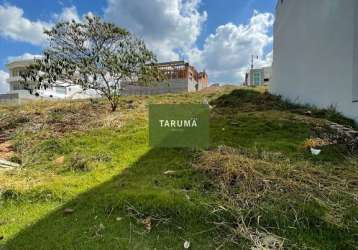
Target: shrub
<point>78,163</point>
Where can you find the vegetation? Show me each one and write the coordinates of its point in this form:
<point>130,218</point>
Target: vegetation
<point>89,180</point>
<point>94,54</point>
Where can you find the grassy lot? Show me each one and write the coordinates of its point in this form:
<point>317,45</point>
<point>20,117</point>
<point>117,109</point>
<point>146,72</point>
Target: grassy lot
<point>90,181</point>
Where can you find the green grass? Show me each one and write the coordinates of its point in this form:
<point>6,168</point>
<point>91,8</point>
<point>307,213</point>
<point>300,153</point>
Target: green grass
<point>113,181</point>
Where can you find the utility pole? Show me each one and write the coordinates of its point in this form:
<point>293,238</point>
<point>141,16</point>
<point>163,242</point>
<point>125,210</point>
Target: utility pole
<point>252,61</point>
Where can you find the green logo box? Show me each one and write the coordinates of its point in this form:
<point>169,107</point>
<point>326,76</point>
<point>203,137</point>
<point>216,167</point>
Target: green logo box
<point>179,125</point>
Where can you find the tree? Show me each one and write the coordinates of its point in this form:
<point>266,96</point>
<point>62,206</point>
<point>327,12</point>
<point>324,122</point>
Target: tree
<point>95,55</point>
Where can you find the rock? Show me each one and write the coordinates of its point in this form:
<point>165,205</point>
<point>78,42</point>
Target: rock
<point>8,164</point>
<point>315,151</point>
<point>170,172</point>
<point>147,223</point>
<point>59,161</point>
<point>68,211</point>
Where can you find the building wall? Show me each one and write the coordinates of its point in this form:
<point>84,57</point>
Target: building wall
<point>12,98</point>
<point>267,74</point>
<point>186,79</point>
<point>175,86</point>
<point>315,53</point>
<point>203,80</point>
<point>15,69</point>
<point>252,77</point>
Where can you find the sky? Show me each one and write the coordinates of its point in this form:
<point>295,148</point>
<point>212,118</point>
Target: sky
<point>216,36</point>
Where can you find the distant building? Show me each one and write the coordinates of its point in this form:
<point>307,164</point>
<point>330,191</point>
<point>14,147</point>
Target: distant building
<point>315,53</point>
<point>61,90</point>
<point>58,90</point>
<point>180,76</point>
<point>16,68</point>
<point>258,76</point>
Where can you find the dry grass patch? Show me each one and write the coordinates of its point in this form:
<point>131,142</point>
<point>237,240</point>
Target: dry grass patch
<point>248,182</point>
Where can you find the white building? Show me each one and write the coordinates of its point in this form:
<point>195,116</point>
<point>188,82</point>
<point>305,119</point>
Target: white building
<point>59,90</point>
<point>15,69</point>
<point>315,54</point>
<point>258,76</point>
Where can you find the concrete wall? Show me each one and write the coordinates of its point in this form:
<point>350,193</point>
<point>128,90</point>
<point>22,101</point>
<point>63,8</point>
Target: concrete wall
<point>160,88</point>
<point>12,98</point>
<point>315,53</point>
<point>171,86</point>
<point>4,87</point>
<point>267,74</point>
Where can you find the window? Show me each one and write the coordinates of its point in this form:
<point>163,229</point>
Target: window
<point>61,90</point>
<point>257,78</point>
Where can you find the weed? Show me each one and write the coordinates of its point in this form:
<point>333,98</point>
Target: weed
<point>78,163</point>
<point>102,157</point>
<point>258,189</point>
<point>249,186</point>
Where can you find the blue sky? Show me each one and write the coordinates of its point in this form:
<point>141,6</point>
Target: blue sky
<point>218,36</point>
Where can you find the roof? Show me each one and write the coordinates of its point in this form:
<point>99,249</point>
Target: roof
<point>21,62</point>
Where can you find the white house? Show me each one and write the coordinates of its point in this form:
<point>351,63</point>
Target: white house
<point>315,54</point>
<point>62,90</point>
<point>59,90</point>
<point>258,76</point>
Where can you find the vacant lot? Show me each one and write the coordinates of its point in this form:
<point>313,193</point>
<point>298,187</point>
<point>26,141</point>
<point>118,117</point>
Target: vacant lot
<point>89,180</point>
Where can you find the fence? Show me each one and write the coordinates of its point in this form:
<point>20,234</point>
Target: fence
<point>12,98</point>
<point>151,90</point>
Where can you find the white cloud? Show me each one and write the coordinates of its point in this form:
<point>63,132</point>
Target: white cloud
<point>226,54</point>
<point>4,86</point>
<point>168,27</point>
<point>68,14</point>
<point>17,27</point>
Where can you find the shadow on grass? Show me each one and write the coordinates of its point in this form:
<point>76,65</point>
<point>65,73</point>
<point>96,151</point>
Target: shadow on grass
<point>113,215</point>
<point>110,215</point>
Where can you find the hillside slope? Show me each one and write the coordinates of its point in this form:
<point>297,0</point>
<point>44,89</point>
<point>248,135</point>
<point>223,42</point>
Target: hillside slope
<point>89,180</point>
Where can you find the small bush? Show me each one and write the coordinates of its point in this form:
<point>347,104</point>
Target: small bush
<point>102,157</point>
<point>16,159</point>
<point>22,119</point>
<point>78,163</point>
<point>52,147</point>
<point>9,194</point>
<point>55,116</point>
<point>251,100</point>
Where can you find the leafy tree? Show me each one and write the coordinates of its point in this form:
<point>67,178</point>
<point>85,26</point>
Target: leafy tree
<point>96,55</point>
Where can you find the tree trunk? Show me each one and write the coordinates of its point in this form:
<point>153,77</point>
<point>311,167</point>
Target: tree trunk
<point>114,106</point>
